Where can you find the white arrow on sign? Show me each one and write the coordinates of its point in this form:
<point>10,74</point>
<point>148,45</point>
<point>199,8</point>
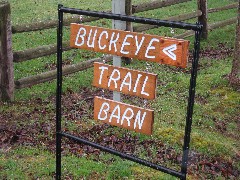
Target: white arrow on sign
<point>169,51</point>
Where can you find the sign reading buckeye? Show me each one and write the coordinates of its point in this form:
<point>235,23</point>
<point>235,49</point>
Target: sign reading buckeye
<point>130,44</point>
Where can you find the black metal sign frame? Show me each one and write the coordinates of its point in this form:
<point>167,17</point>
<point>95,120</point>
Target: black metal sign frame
<point>59,133</point>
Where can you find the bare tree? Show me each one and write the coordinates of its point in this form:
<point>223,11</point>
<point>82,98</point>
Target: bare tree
<point>234,76</point>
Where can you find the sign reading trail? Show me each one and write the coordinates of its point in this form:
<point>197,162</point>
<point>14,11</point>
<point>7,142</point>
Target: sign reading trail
<point>123,115</point>
<point>130,44</point>
<point>125,80</point>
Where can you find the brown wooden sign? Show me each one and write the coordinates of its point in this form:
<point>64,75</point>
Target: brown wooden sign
<point>125,80</point>
<point>130,44</point>
<point>123,115</point>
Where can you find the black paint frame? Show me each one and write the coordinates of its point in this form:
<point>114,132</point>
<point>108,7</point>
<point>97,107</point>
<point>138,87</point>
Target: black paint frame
<point>59,133</point>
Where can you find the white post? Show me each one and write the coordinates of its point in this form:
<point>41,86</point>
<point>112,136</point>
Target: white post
<point>118,7</point>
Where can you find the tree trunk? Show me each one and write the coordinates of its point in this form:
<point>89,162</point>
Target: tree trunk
<point>234,77</point>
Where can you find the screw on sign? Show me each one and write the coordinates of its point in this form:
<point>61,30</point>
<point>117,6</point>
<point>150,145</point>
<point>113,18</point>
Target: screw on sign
<point>130,44</point>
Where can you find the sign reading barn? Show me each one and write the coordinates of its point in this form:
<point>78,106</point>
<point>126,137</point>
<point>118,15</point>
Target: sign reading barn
<point>123,115</point>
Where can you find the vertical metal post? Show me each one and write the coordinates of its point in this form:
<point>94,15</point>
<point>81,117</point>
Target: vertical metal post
<point>59,93</point>
<point>190,103</point>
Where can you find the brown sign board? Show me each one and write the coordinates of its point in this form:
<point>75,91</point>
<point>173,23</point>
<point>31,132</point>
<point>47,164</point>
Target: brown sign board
<point>123,115</point>
<point>141,46</point>
<point>124,80</point>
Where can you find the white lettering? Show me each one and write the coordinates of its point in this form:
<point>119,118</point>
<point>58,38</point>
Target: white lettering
<point>143,87</point>
<point>79,35</point>
<point>118,115</point>
<point>138,45</point>
<point>125,43</point>
<point>150,47</point>
<point>100,38</point>
<point>102,70</point>
<point>138,120</point>
<point>115,71</point>
<point>106,106</point>
<point>113,41</point>
<point>136,84</point>
<point>93,39</point>
<point>127,83</point>
<point>127,117</point>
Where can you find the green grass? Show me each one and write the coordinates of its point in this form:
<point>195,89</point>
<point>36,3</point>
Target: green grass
<point>215,103</point>
<point>33,163</point>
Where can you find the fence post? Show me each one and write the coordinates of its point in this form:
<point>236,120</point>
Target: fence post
<point>6,54</point>
<point>129,27</point>
<point>202,6</point>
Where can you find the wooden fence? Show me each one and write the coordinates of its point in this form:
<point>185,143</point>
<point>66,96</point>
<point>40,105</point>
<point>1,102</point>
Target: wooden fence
<point>7,83</point>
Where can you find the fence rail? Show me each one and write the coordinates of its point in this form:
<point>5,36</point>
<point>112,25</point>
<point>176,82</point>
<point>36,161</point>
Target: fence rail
<point>50,75</point>
<point>53,23</point>
<point>155,5</point>
<point>227,7</point>
<point>181,17</point>
<point>222,23</point>
<point>19,56</point>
